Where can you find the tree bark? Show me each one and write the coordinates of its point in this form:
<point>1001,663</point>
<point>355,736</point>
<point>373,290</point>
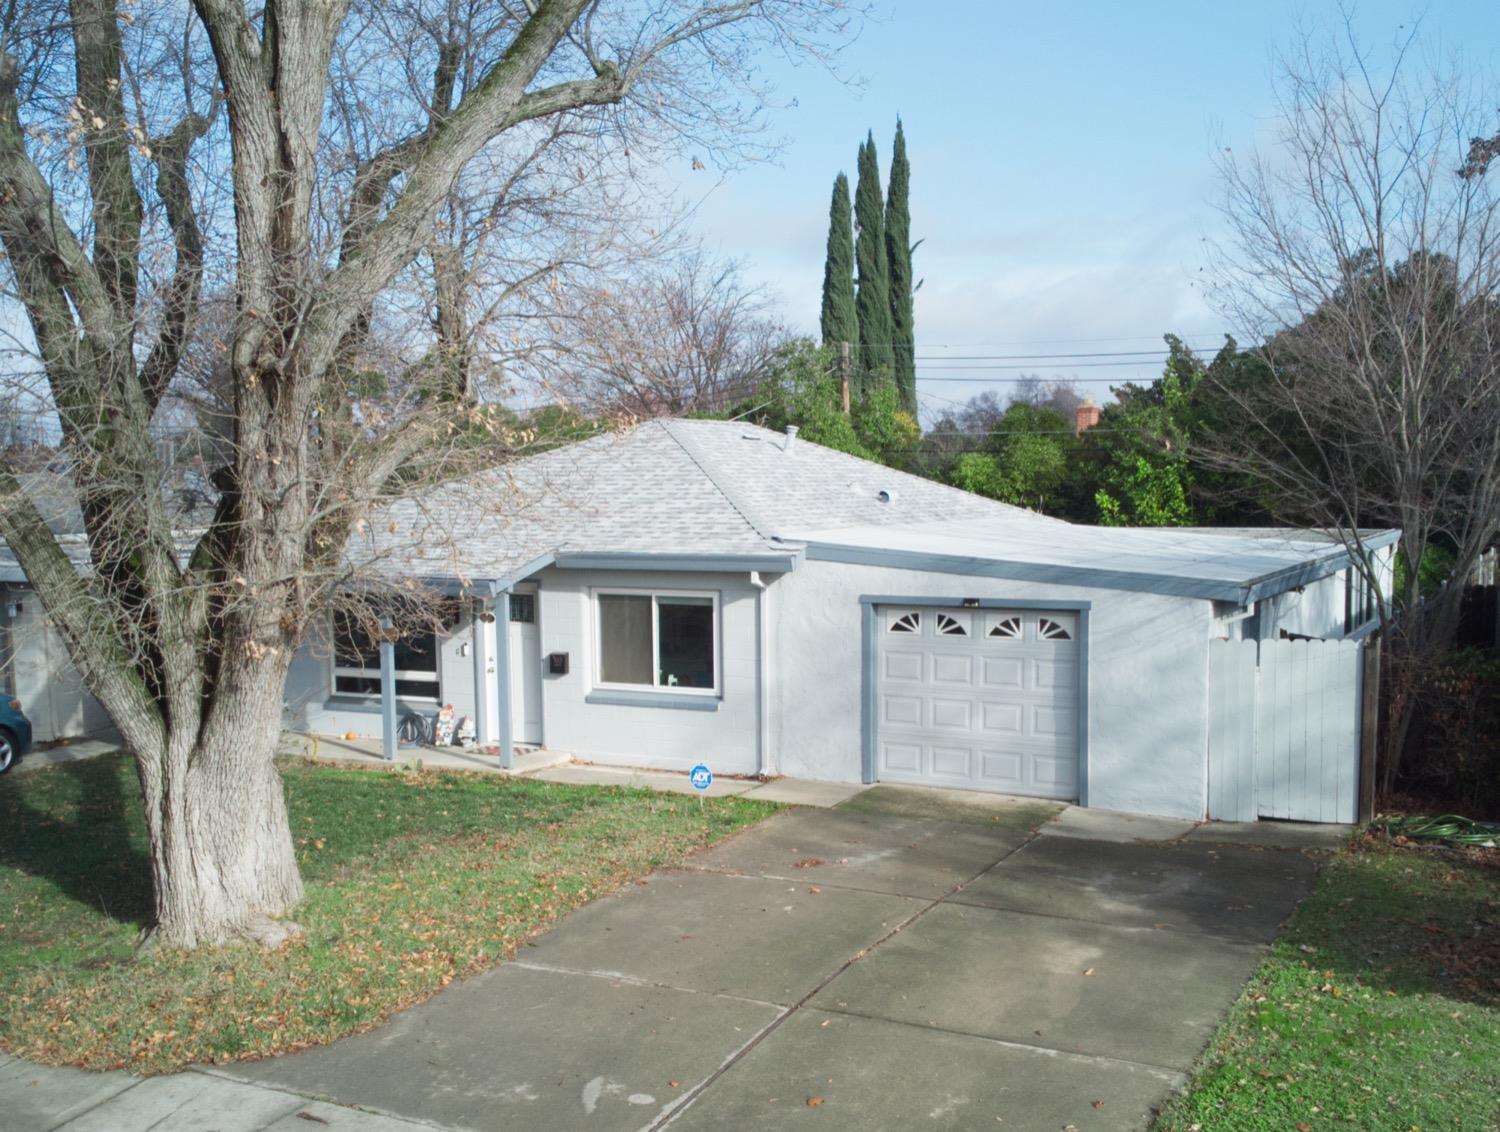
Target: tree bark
<point>222,858</point>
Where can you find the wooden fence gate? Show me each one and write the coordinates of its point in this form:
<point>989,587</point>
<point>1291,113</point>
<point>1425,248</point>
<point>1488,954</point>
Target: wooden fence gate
<point>1284,730</point>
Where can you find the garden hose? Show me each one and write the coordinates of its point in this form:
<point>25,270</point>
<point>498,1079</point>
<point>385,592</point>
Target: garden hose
<point>412,730</point>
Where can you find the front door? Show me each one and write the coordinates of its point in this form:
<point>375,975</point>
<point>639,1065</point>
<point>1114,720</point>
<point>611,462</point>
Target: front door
<point>525,642</point>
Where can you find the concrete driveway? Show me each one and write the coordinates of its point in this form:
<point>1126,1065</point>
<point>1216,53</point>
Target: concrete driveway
<point>904,962</point>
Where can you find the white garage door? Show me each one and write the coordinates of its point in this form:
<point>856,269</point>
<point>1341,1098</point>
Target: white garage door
<point>980,698</point>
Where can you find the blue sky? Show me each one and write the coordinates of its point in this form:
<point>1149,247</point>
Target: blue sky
<point>1062,173</point>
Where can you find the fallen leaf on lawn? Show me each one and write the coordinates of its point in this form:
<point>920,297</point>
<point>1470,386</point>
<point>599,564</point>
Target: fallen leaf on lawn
<point>1096,1104</point>
<point>311,1117</point>
<point>1159,927</point>
<point>823,1025</point>
<point>674,1084</point>
<point>1303,1127</point>
<point>1089,973</point>
<point>808,863</point>
<point>814,888</point>
<point>1305,947</point>
<point>318,844</point>
<point>814,1102</point>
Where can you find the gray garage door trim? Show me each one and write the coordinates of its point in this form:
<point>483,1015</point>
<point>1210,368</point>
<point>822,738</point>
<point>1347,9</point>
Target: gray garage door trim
<point>871,604</point>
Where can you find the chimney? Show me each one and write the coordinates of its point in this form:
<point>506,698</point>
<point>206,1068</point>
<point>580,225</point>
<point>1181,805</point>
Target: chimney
<point>791,437</point>
<point>1085,417</point>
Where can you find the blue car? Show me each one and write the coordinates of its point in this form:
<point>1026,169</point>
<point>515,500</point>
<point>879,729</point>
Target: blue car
<point>15,733</point>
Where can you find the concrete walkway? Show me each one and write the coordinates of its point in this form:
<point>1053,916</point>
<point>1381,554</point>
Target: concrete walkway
<point>891,963</point>
<point>910,958</point>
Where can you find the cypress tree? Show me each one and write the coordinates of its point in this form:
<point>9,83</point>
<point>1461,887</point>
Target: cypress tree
<point>898,256</point>
<point>838,322</point>
<point>872,303</point>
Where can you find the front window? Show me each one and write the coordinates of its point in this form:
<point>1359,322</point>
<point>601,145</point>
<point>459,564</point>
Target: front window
<point>356,659</point>
<point>658,640</point>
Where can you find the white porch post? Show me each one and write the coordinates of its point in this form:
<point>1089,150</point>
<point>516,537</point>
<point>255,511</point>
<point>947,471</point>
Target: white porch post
<point>484,672</point>
<point>387,691</point>
<point>502,680</point>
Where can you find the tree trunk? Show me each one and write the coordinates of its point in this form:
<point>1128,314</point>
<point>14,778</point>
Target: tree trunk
<point>222,856</point>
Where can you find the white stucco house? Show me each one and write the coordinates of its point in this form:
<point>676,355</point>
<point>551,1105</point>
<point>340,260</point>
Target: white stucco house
<point>710,591</point>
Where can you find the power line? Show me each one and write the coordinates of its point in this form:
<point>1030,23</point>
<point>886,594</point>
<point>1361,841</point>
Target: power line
<point>1024,357</point>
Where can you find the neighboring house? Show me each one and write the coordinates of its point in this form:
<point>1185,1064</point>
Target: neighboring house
<point>708,591</point>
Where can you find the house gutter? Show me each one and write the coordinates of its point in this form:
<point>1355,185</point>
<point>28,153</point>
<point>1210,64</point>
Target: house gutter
<point>764,760</point>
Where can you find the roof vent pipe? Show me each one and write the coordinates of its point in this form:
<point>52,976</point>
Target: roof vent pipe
<point>791,438</point>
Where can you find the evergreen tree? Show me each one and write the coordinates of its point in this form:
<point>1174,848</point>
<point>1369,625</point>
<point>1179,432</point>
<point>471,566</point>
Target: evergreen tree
<point>872,302</point>
<point>898,258</point>
<point>839,323</point>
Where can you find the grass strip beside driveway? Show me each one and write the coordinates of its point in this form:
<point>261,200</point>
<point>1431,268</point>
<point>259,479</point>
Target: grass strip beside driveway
<point>1379,1006</point>
<point>413,880</point>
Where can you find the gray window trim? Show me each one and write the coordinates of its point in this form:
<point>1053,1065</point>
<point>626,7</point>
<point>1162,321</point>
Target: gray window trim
<point>674,700</point>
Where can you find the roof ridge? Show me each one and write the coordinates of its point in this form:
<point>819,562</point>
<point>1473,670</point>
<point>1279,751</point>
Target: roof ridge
<point>873,466</point>
<point>703,460</point>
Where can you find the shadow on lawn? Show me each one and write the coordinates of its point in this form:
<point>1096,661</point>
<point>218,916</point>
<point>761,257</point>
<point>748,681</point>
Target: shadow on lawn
<point>79,825</point>
<point>1408,925</point>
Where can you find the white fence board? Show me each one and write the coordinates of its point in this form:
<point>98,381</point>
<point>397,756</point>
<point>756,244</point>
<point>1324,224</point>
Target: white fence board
<point>1231,741</point>
<point>1284,730</point>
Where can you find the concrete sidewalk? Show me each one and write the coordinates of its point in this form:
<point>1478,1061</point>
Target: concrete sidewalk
<point>40,1098</point>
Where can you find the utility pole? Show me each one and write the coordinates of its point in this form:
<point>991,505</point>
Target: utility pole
<point>844,376</point>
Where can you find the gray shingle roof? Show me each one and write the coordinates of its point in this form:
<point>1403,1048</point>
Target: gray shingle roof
<point>724,488</point>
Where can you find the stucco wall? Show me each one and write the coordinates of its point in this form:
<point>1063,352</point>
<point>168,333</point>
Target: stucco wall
<point>1147,680</point>
<point>649,736</point>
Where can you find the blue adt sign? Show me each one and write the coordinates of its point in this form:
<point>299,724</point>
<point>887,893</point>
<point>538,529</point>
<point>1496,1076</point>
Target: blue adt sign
<point>701,777</point>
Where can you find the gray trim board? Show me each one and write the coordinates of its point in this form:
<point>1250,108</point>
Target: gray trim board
<point>870,605</point>
<point>1046,573</point>
<point>523,571</point>
<point>685,563</point>
<point>1084,643</point>
<point>1173,585</point>
<point>652,700</point>
<point>978,603</point>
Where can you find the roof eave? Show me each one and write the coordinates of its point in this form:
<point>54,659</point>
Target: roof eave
<point>1172,585</point>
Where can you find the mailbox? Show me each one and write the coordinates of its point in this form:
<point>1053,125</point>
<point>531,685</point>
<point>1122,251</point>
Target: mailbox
<point>557,663</point>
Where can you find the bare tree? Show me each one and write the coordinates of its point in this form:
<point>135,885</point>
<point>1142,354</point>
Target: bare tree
<point>679,334</point>
<point>1366,252</point>
<point>312,161</point>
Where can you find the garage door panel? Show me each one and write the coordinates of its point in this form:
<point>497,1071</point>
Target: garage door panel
<point>988,701</point>
<point>901,757</point>
<point>901,666</point>
<point>952,762</point>
<point>952,714</point>
<point>1054,771</point>
<point>901,711</point>
<point>1000,768</point>
<point>1054,674</point>
<point>953,670</point>
<point>1004,718</point>
<point>1004,672</point>
<point>1052,721</point>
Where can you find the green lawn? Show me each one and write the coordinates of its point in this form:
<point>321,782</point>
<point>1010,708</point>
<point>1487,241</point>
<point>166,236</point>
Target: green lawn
<point>1379,1007</point>
<point>412,880</point>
